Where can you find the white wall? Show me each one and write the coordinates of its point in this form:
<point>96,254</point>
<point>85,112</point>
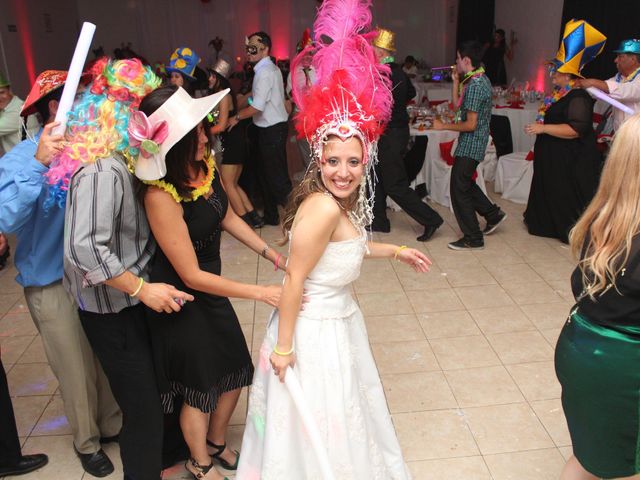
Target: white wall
<point>537,26</point>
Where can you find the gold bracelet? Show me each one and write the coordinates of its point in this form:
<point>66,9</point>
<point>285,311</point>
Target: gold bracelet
<point>395,255</point>
<point>282,354</point>
<point>138,289</point>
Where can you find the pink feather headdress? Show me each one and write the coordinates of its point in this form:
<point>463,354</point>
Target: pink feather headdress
<point>351,96</point>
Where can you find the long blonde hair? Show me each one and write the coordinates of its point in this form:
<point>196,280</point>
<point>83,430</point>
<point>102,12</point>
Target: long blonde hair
<point>601,239</point>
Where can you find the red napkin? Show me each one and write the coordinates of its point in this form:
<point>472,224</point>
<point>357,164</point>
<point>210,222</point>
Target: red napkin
<point>529,156</point>
<point>445,152</point>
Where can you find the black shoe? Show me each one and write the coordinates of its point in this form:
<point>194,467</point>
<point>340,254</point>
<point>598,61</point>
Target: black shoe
<point>429,230</point>
<point>96,464</point>
<point>465,243</point>
<point>112,439</point>
<point>256,220</point>
<point>26,464</point>
<point>247,219</point>
<point>380,227</point>
<point>493,224</point>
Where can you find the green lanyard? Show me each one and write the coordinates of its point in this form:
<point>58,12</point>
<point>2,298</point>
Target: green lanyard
<point>461,90</point>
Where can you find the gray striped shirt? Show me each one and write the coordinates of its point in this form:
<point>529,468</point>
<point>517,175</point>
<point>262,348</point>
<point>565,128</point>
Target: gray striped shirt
<point>106,233</point>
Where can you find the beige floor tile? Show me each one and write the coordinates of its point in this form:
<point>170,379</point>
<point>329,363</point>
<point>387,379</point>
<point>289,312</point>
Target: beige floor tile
<point>559,270</point>
<point>501,319</point>
<point>483,296</point>
<point>239,416</point>
<point>463,352</point>
<point>393,328</point>
<point>53,420</point>
<point>563,288</point>
<point>238,256</point>
<point>537,381</point>
<point>521,347</point>
<point>63,463</point>
<point>404,357</point>
<point>436,300</point>
<point>551,335</point>
<point>448,259</point>
<point>31,379</point>
<point>414,392</point>
<point>28,411</point>
<point>566,452</point>
<point>507,428</point>
<point>434,435</point>
<point>468,468</point>
<point>7,300</point>
<point>245,310</point>
<point>34,353</point>
<point>469,277</point>
<point>262,312</point>
<point>475,387</point>
<point>516,273</point>
<point>410,280</point>
<point>13,347</point>
<point>531,465</point>
<point>14,324</point>
<point>9,285</point>
<point>549,315</point>
<point>378,281</point>
<point>532,292</point>
<point>247,331</point>
<point>391,303</point>
<point>20,306</point>
<point>508,257</point>
<point>552,417</point>
<point>456,323</point>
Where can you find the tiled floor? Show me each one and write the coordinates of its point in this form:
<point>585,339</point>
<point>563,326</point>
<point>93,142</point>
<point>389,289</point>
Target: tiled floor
<point>465,353</point>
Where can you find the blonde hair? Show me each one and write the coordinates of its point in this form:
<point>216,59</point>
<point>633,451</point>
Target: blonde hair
<point>601,240</point>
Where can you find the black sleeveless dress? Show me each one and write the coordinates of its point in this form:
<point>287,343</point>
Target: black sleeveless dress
<point>199,352</point>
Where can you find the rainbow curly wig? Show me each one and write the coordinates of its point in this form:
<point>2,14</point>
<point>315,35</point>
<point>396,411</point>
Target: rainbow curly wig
<point>97,123</point>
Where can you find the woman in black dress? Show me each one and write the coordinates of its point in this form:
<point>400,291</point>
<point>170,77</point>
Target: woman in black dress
<point>566,162</point>
<point>494,55</point>
<point>234,149</point>
<point>200,353</point>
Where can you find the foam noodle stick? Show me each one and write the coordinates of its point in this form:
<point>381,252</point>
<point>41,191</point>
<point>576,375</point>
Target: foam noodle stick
<point>295,390</point>
<point>73,77</point>
<point>606,98</point>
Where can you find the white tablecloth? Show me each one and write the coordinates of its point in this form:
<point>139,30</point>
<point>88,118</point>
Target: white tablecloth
<point>435,172</point>
<point>433,91</point>
<point>518,118</point>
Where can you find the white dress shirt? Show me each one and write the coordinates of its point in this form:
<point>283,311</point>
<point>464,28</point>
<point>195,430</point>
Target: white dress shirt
<point>627,93</point>
<point>268,94</point>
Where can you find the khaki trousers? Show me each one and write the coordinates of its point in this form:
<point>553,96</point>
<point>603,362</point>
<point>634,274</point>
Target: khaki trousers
<point>89,405</point>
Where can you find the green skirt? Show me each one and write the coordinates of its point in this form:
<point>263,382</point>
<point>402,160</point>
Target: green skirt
<point>599,370</point>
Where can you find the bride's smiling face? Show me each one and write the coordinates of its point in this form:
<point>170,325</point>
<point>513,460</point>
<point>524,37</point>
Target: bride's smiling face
<point>342,167</point>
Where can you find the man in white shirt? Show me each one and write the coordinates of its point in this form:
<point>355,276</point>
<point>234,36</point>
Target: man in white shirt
<point>625,85</point>
<point>10,121</point>
<point>267,109</point>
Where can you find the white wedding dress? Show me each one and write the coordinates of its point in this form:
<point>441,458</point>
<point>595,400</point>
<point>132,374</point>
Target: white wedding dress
<point>340,382</point>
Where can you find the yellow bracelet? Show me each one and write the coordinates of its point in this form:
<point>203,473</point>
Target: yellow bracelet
<point>395,255</point>
<point>138,289</point>
<point>282,354</point>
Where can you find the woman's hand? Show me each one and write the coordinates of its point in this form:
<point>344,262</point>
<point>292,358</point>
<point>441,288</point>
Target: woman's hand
<point>282,263</point>
<point>270,294</point>
<point>415,259</point>
<point>534,129</point>
<point>279,363</point>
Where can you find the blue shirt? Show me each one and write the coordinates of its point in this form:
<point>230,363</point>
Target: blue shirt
<point>23,191</point>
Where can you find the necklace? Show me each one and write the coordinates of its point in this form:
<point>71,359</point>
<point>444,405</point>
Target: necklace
<point>629,78</point>
<point>558,93</point>
<point>462,88</point>
<point>200,188</point>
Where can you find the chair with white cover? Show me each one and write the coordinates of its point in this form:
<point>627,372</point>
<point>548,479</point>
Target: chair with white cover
<point>490,162</point>
<point>513,176</point>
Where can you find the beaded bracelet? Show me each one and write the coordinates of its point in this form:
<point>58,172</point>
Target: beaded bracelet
<point>282,354</point>
<point>395,255</point>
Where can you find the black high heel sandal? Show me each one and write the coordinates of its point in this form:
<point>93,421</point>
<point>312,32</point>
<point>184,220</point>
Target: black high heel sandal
<point>202,469</point>
<point>220,450</point>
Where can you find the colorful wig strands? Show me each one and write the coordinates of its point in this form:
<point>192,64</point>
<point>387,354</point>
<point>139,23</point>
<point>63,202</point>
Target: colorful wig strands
<point>352,94</point>
<point>97,123</point>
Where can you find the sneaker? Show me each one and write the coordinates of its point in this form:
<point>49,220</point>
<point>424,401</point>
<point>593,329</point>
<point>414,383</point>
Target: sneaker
<point>465,243</point>
<point>492,225</point>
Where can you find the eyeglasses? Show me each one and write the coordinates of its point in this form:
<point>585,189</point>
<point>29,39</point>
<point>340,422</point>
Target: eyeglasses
<point>251,49</point>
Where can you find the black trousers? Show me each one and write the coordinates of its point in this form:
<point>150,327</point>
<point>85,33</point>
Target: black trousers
<point>467,198</point>
<point>121,343</point>
<point>10,452</point>
<point>393,182</point>
<point>273,169</point>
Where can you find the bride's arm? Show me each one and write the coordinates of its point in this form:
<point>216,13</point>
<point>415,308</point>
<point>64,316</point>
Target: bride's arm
<point>316,220</point>
<point>411,256</point>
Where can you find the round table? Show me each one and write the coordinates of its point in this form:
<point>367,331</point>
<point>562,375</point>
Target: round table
<point>518,118</point>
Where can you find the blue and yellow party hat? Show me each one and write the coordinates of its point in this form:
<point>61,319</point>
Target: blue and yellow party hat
<point>581,43</point>
<point>183,60</point>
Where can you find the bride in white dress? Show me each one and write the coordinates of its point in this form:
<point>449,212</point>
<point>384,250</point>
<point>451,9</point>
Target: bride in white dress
<point>326,343</point>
